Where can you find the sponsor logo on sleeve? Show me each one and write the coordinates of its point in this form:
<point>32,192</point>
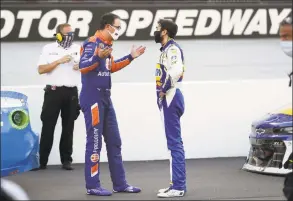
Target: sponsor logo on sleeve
<point>173,59</point>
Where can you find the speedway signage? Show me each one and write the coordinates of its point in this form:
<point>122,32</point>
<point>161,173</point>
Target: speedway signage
<point>38,23</point>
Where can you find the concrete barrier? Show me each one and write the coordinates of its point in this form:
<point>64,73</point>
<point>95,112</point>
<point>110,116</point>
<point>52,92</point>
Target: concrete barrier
<point>216,122</point>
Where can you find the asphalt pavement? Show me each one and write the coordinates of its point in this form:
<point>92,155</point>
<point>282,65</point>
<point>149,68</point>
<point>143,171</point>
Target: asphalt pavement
<point>207,179</point>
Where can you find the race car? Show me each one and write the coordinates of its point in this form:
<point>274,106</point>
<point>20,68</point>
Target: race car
<point>271,143</point>
<point>19,144</point>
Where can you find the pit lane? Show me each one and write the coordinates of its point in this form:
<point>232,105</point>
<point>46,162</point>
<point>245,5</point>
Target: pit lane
<point>207,179</point>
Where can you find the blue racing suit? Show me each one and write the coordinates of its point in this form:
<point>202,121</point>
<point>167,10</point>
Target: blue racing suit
<point>99,113</point>
<point>169,75</point>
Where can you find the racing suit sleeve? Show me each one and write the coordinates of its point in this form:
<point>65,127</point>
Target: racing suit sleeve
<point>89,59</point>
<point>175,68</point>
<point>120,63</point>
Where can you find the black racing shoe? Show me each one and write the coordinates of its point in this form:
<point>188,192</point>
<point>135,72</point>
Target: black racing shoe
<point>67,166</point>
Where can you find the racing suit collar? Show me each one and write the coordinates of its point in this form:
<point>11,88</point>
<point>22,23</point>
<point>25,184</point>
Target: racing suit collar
<point>99,35</point>
<point>171,41</point>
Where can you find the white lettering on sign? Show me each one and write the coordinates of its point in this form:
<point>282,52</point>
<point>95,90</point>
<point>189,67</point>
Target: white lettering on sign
<point>185,21</point>
<point>123,14</point>
<point>81,19</point>
<point>190,22</point>
<point>201,27</point>
<point>237,22</point>
<point>140,19</point>
<point>277,18</point>
<point>27,17</point>
<point>44,30</point>
<point>162,14</point>
<point>258,23</point>
<point>9,18</point>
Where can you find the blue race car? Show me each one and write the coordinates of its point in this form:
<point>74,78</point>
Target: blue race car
<point>271,143</point>
<point>19,144</point>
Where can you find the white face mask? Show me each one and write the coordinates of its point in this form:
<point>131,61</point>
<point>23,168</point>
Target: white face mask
<point>287,47</point>
<point>114,35</point>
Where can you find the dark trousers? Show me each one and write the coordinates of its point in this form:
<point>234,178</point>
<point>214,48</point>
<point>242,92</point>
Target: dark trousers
<point>56,99</point>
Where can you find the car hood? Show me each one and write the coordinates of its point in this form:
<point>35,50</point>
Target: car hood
<point>281,118</point>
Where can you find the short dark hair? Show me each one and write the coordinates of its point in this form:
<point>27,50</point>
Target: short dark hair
<point>60,27</point>
<point>108,18</point>
<point>170,26</point>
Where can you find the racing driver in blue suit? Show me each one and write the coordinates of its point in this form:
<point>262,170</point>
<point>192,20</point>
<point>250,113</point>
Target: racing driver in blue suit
<point>169,75</point>
<point>96,65</point>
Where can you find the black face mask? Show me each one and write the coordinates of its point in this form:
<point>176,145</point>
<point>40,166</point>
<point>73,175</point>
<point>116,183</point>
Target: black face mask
<point>158,38</point>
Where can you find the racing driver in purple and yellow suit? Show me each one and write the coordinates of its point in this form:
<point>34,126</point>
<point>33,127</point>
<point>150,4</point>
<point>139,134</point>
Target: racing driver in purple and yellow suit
<point>96,65</point>
<point>169,75</point>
